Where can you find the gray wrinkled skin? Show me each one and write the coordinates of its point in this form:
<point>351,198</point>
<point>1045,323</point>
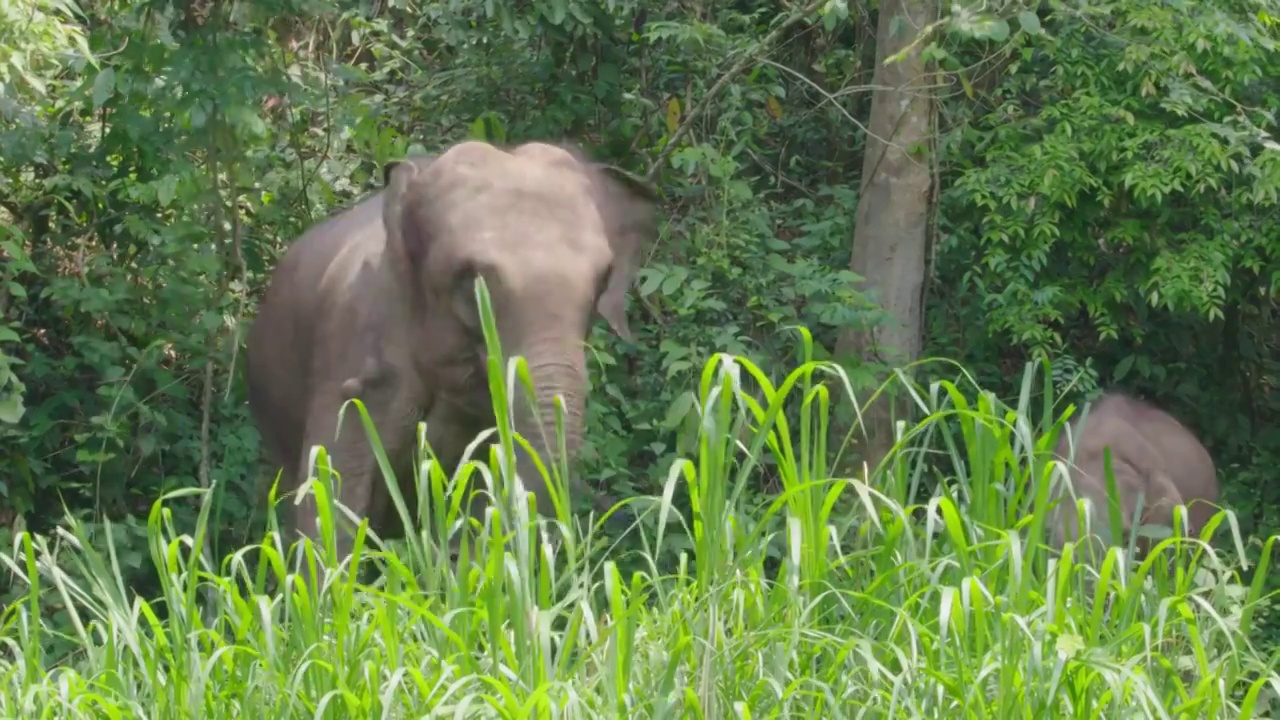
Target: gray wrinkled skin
<point>1152,454</point>
<point>378,303</point>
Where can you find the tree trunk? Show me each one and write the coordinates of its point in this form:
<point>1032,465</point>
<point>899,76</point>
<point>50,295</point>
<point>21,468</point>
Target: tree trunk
<point>892,232</point>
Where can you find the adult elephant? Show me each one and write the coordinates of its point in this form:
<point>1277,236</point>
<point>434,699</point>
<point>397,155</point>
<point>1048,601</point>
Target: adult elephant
<point>379,302</point>
<point>1153,457</point>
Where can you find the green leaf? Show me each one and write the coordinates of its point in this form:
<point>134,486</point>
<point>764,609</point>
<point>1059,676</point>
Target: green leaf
<point>247,119</point>
<point>672,283</point>
<point>1122,368</point>
<point>992,28</point>
<point>104,86</point>
<point>166,189</point>
<point>559,10</point>
<point>1030,22</point>
<point>497,130</point>
<point>92,456</point>
<point>11,409</point>
<point>678,410</point>
<point>652,279</point>
<point>210,319</point>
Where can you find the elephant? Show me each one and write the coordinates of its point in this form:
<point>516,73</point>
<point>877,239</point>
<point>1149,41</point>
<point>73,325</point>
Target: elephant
<point>378,302</point>
<point>1152,455</point>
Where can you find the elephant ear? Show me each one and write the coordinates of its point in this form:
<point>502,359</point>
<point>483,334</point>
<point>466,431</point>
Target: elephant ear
<point>628,207</point>
<point>407,237</point>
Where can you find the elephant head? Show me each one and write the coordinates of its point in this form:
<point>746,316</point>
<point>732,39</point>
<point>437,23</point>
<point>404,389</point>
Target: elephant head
<point>556,239</point>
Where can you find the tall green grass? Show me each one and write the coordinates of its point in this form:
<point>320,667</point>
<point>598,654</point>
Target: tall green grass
<point>886,602</point>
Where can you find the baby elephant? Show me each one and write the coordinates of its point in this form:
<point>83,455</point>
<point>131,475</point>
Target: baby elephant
<point>1153,457</point>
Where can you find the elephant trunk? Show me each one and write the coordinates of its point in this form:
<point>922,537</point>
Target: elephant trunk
<point>559,370</point>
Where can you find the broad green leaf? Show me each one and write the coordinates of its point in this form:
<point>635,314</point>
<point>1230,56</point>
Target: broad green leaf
<point>166,189</point>
<point>247,119</point>
<point>11,408</point>
<point>497,130</point>
<point>992,28</point>
<point>651,279</point>
<point>1122,368</point>
<point>104,86</point>
<point>1030,22</point>
<point>559,11</point>
<point>678,409</point>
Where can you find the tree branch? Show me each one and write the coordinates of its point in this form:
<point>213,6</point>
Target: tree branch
<point>737,69</point>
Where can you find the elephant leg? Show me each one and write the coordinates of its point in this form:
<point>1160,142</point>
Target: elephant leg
<point>361,487</point>
<point>282,458</point>
<point>1199,513</point>
<point>1065,520</point>
<point>1087,482</point>
<point>450,429</point>
<point>1161,498</point>
<point>281,435</point>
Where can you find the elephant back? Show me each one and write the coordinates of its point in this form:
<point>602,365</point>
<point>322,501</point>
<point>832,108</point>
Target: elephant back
<point>1152,454</point>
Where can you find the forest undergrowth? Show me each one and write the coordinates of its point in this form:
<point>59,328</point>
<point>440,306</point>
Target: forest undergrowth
<point>841,597</point>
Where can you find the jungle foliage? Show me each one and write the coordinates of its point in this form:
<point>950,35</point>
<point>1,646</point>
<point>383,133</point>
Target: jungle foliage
<point>1108,184</point>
